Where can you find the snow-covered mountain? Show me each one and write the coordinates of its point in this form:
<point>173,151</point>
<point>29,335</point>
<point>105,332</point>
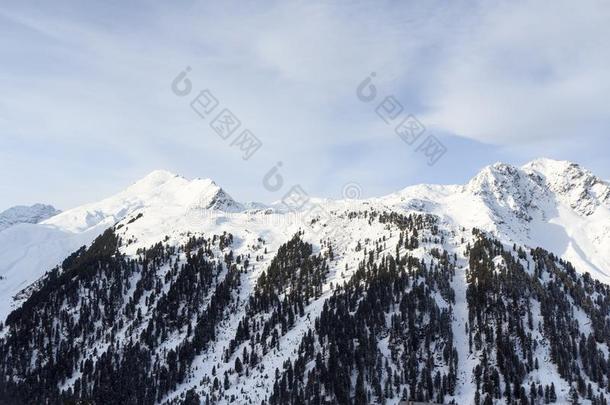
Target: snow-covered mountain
<point>553,204</point>
<point>492,291</point>
<point>22,214</point>
<point>28,251</point>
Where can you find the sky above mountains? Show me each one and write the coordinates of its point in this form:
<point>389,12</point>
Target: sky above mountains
<point>88,107</point>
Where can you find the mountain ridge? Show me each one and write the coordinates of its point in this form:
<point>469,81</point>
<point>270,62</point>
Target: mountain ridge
<point>514,203</point>
<point>224,296</point>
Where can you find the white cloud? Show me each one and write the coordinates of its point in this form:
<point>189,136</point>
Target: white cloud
<point>526,71</point>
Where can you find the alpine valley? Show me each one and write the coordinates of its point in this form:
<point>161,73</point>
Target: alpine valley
<point>171,292</point>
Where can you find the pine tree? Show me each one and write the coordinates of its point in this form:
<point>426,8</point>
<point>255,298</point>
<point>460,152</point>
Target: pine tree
<point>573,395</point>
<point>360,398</point>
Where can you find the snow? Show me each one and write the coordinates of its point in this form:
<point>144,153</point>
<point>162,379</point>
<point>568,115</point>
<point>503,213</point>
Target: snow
<point>466,360</point>
<point>27,251</point>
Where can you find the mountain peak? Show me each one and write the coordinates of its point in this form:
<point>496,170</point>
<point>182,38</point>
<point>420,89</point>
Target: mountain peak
<point>177,190</point>
<point>549,165</point>
<point>507,191</point>
<point>23,214</point>
<point>160,174</point>
<point>573,184</point>
<point>493,177</point>
<point>540,181</point>
<point>154,179</point>
<point>212,196</point>
<point>161,191</point>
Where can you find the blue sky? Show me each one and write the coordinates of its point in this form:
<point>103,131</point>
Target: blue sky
<point>86,106</point>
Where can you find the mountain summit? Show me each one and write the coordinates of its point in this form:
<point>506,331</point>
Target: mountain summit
<point>158,191</point>
<point>22,214</point>
<point>575,186</point>
<point>171,189</point>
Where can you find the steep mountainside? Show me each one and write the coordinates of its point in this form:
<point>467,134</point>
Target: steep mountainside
<point>491,292</point>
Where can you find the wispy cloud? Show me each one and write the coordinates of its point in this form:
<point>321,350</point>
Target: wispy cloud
<point>524,71</point>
